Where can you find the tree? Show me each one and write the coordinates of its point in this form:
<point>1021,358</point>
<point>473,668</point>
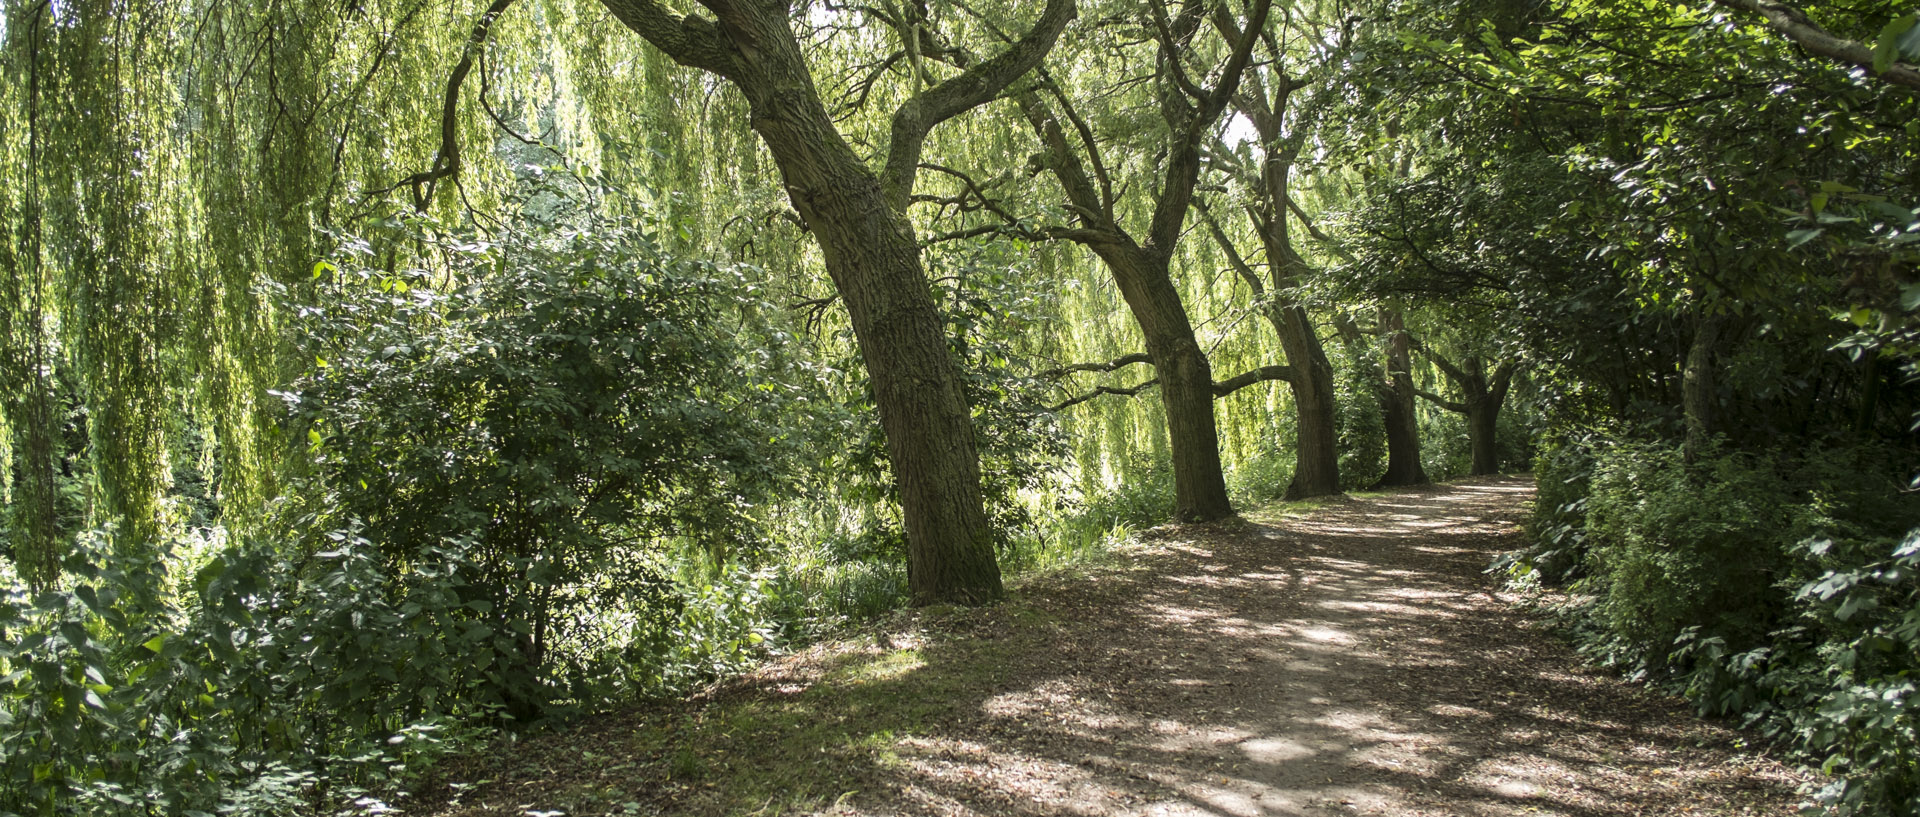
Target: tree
<point>1142,269</point>
<point>1482,394</point>
<point>858,216</point>
<point>1267,176</point>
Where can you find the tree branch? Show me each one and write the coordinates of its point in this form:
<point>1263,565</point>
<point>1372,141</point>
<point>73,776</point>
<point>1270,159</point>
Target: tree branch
<point>695,42</point>
<point>1315,231</point>
<point>1120,362</point>
<point>446,162</point>
<point>1095,209</point>
<point>974,86</point>
<point>1183,162</point>
<point>1439,360</point>
<point>1795,26</point>
<point>1458,408</point>
<point>1234,258</point>
<point>1222,388</point>
<point>1123,392</point>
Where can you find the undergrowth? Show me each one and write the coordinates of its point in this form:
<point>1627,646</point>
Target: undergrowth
<point>1780,589</point>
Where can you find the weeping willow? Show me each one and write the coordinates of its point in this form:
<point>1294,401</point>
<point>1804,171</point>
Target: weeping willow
<point>171,172</point>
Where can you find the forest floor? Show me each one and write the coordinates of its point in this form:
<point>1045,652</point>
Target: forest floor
<point>1351,657</point>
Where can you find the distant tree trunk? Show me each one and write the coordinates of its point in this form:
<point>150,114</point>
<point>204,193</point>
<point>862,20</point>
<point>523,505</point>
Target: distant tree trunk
<point>1401,407</point>
<point>1483,437</point>
<point>1482,398</point>
<point>1868,412</point>
<point>1697,390</point>
<point>872,255</point>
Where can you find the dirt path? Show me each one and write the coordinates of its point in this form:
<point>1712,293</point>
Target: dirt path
<point>1354,660</point>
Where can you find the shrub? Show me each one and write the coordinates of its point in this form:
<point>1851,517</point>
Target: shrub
<point>1359,419</point>
<point>1782,588</point>
<point>523,445</point>
<point>1679,545</point>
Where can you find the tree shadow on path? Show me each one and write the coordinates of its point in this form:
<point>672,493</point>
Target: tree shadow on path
<point>1355,659</point>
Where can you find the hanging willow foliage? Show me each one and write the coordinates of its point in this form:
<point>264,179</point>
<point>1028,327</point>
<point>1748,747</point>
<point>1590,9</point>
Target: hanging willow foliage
<point>167,164</point>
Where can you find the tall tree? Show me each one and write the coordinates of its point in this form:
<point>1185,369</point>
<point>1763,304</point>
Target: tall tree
<point>1268,174</point>
<point>1141,266</point>
<point>857,214</point>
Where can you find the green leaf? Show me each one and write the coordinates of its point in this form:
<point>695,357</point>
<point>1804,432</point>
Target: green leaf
<point>1910,297</point>
<point>1887,48</point>
<point>1797,238</point>
<point>156,643</point>
<point>207,575</point>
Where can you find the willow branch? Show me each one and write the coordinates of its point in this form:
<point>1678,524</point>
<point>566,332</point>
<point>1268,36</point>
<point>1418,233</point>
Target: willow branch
<point>1457,408</point>
<point>1117,363</point>
<point>1440,360</point>
<point>695,42</point>
<point>446,163</point>
<point>1234,258</point>
<point>1314,231</point>
<point>972,88</point>
<point>1115,390</point>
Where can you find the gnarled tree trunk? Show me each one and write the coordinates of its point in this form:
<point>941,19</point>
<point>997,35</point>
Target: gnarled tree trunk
<point>873,256</point>
<point>1186,381</point>
<point>1142,269</point>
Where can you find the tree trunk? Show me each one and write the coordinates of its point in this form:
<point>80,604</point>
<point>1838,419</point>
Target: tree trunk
<point>1867,414</point>
<point>1186,380</point>
<point>874,260</point>
<point>1483,424</point>
<point>1697,390</point>
<point>1402,415</point>
<point>1316,452</point>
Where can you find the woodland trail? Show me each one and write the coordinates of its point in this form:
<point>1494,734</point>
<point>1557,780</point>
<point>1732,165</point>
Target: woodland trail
<point>1351,660</point>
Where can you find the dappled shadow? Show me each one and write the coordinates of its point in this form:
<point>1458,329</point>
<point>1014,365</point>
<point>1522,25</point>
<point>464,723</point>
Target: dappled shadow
<point>1356,660</point>
<point>1353,660</point>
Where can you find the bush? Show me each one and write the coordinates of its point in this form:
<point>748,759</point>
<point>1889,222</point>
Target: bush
<point>1679,545</point>
<point>1781,588</point>
<point>517,450</point>
<point>282,688</point>
<point>1563,482</point>
<point>1359,419</point>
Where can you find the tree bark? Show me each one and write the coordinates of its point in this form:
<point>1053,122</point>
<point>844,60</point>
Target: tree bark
<point>1400,406</point>
<point>1142,269</point>
<point>873,257</point>
<point>1697,390</point>
<point>1186,380</point>
<point>1483,437</point>
<point>1316,453</point>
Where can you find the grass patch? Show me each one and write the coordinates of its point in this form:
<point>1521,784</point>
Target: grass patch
<point>773,743</point>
